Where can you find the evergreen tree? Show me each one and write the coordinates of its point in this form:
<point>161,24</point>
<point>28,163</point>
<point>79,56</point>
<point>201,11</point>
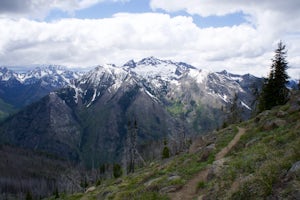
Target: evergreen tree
<point>56,194</point>
<point>166,151</point>
<point>117,170</point>
<point>274,90</point>
<point>28,196</point>
<point>235,112</point>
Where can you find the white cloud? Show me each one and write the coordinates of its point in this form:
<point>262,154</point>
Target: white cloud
<point>268,22</point>
<point>118,39</point>
<point>245,48</point>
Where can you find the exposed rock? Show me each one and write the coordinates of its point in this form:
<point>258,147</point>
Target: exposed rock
<point>295,167</point>
<point>251,142</point>
<point>216,168</point>
<point>150,182</point>
<point>197,145</point>
<point>257,119</point>
<point>296,194</point>
<point>211,146</point>
<point>171,188</point>
<point>206,152</point>
<point>174,177</point>
<point>294,108</point>
<point>90,189</point>
<point>264,114</point>
<point>272,124</point>
<point>281,114</point>
<point>294,104</point>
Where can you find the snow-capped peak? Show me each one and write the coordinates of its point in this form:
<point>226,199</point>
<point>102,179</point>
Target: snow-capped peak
<point>6,74</point>
<point>47,75</point>
<point>103,75</point>
<point>130,64</point>
<point>199,75</point>
<point>154,68</point>
<point>150,61</point>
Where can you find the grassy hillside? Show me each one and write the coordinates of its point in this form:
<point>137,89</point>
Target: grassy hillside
<point>256,159</point>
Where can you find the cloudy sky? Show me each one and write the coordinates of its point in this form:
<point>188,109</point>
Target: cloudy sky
<point>239,36</point>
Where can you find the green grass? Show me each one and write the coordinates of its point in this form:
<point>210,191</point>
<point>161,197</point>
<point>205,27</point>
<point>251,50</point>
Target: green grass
<point>259,161</point>
<point>176,108</point>
<point>201,185</point>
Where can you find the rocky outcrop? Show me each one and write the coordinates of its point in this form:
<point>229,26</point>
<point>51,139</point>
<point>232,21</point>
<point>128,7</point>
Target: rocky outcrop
<point>273,123</point>
<point>295,168</point>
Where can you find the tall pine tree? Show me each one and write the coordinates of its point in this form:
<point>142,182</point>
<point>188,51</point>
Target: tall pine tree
<point>274,90</point>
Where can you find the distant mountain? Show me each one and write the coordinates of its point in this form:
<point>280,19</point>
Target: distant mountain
<point>21,89</point>
<point>87,121</point>
<point>196,95</point>
<point>293,84</point>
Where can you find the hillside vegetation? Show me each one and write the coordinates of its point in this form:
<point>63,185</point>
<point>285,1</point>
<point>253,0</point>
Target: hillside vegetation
<point>257,159</point>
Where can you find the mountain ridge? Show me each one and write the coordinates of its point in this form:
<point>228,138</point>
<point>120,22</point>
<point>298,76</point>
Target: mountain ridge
<point>167,99</point>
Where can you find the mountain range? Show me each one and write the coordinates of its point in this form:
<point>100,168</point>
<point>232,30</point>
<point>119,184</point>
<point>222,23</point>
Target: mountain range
<point>85,117</point>
<point>18,90</point>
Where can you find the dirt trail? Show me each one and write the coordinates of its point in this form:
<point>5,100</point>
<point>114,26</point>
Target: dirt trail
<point>231,144</point>
<point>189,190</point>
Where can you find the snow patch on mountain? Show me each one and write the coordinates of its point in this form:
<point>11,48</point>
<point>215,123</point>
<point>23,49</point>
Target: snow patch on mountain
<point>199,75</point>
<point>224,97</point>
<point>93,98</point>
<point>245,105</point>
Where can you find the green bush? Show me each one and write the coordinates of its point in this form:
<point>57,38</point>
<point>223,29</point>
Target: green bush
<point>165,152</point>
<point>117,171</point>
<point>201,185</point>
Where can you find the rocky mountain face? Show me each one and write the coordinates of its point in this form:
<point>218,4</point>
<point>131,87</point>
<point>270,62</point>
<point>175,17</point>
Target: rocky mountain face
<point>200,97</point>
<point>87,121</point>
<point>20,89</point>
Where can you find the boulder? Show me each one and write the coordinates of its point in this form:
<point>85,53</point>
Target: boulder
<point>251,142</point>
<point>216,168</point>
<point>272,124</point>
<point>294,104</point>
<point>150,182</point>
<point>173,177</point>
<point>281,114</point>
<point>206,152</point>
<point>171,188</point>
<point>295,168</point>
<point>90,189</point>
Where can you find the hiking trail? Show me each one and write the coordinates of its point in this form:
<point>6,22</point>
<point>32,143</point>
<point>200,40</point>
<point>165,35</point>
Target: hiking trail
<point>189,190</point>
